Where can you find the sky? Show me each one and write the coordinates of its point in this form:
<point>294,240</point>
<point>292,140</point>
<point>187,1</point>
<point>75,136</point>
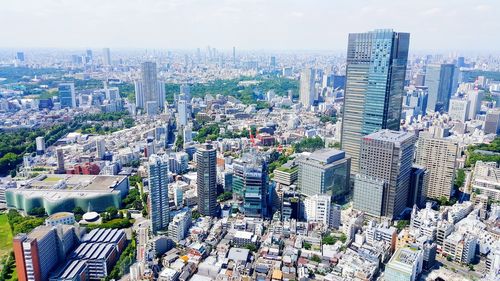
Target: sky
<point>440,25</point>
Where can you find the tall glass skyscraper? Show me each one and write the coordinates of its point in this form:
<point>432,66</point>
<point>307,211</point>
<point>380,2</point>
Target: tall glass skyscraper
<point>206,157</point>
<point>158,198</point>
<point>250,183</point>
<point>376,67</point>
<point>441,81</point>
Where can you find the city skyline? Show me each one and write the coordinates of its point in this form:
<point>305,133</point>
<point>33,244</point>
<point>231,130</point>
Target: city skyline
<point>320,25</point>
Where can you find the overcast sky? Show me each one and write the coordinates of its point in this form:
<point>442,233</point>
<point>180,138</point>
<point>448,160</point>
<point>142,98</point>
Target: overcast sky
<point>441,25</point>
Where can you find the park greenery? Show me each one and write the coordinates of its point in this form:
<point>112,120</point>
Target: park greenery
<point>247,94</point>
<point>329,239</point>
<point>8,268</point>
<point>20,224</point>
<point>127,258</point>
<point>309,145</point>
<point>226,195</point>
<point>475,152</point>
<point>14,144</point>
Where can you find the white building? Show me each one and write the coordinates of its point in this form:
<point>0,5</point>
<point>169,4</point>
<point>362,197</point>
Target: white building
<point>307,91</point>
<point>459,109</point>
<point>182,113</point>
<point>318,209</point>
<point>405,264</point>
<point>40,145</point>
<point>179,227</point>
<point>486,179</point>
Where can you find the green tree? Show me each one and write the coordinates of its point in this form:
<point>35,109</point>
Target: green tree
<point>315,258</point>
<point>112,211</point>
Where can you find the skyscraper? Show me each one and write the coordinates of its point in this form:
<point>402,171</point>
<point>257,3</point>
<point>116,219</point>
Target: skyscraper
<point>106,56</point>
<point>100,145</point>
<point>60,161</point>
<point>67,96</point>
<point>376,67</point>
<point>439,156</point>
<point>386,160</point>
<point>20,56</point>
<point>40,145</point>
<point>475,97</point>
<point>186,91</point>
<point>206,157</point>
<point>440,81</point>
<point>307,92</point>
<point>150,93</point>
<point>325,171</point>
<point>182,111</point>
<point>158,196</point>
<point>250,183</point>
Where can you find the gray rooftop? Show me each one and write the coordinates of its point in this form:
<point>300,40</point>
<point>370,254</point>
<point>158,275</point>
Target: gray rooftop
<point>327,155</point>
<point>396,137</point>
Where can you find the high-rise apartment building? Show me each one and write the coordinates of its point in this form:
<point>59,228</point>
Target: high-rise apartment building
<point>100,146</point>
<point>376,67</point>
<point>158,194</point>
<point>67,95</point>
<point>250,183</point>
<point>440,80</point>
<point>307,90</point>
<point>206,160</point>
<point>439,156</point>
<point>475,97</point>
<point>325,171</point>
<point>386,160</point>
<point>40,145</point>
<point>60,161</point>
<point>179,227</point>
<point>182,113</point>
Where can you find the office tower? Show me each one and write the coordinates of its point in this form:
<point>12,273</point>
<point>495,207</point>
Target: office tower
<point>324,171</point>
<point>459,109</point>
<point>339,81</point>
<point>20,56</point>
<point>112,93</point>
<point>439,156</point>
<point>419,182</point>
<point>206,179</point>
<point>100,145</point>
<point>376,67</point>
<point>89,56</point>
<point>182,113</point>
<point>460,62</point>
<point>440,80</point>
<point>40,145</point>
<point>405,264</point>
<point>186,91</point>
<point>234,56</point>
<point>250,183</point>
<point>159,210</point>
<point>106,55</point>
<point>60,161</point>
<point>492,122</point>
<point>272,62</point>
<point>475,97</point>
<point>386,157</point>
<point>307,91</point>
<point>67,96</point>
<point>179,227</point>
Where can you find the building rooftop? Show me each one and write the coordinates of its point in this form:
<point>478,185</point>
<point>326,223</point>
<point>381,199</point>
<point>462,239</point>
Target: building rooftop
<point>405,255</point>
<point>390,136</point>
<point>327,155</point>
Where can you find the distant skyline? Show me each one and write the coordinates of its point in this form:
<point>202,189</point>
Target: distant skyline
<point>435,25</point>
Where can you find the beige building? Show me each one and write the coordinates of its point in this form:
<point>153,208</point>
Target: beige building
<point>439,156</point>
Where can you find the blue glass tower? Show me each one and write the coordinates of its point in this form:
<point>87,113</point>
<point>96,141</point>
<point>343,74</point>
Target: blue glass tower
<point>376,67</point>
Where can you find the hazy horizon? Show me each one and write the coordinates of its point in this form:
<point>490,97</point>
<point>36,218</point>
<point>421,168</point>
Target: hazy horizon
<point>463,26</point>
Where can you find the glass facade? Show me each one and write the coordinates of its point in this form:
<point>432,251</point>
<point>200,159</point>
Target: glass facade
<point>376,66</point>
